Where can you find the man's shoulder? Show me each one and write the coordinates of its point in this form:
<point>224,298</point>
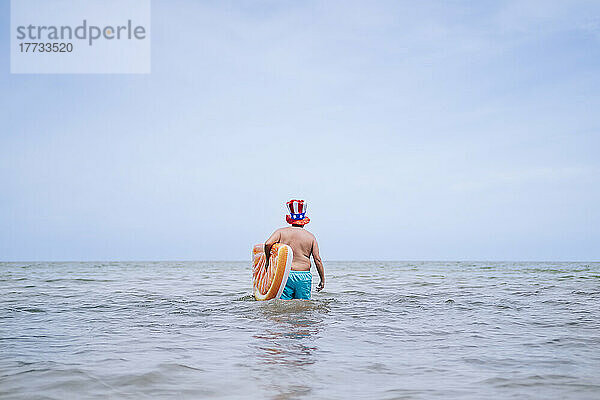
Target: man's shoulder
<point>309,233</point>
<point>292,229</point>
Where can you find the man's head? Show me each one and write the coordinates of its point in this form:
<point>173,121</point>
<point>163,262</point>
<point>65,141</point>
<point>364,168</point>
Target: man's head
<point>297,215</point>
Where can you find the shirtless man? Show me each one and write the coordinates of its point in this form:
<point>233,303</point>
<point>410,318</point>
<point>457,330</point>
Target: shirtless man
<point>303,244</point>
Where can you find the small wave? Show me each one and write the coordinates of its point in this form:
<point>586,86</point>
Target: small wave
<point>179,366</point>
<point>354,292</point>
<point>275,307</point>
<point>27,309</point>
<point>248,297</point>
<point>77,280</point>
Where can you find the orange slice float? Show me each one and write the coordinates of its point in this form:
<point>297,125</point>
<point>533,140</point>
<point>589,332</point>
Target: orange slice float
<point>269,284</point>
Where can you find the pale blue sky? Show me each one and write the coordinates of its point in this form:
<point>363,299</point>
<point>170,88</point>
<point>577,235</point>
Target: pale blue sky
<point>415,130</point>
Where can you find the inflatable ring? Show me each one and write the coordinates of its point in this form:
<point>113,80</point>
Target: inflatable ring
<point>269,283</point>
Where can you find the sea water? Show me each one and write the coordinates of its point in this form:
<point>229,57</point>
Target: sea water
<point>379,330</point>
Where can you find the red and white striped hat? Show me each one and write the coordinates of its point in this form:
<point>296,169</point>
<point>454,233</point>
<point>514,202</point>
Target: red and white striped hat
<point>297,209</point>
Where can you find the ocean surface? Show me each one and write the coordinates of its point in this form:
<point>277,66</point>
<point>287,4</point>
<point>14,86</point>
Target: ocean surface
<point>379,330</point>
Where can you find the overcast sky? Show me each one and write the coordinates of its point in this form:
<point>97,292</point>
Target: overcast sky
<point>415,131</point>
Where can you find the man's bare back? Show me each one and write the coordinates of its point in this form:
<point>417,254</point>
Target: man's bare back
<point>303,244</point>
<point>300,240</point>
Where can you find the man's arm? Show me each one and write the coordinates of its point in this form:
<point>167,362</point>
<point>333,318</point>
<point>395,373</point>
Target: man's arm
<point>274,238</point>
<point>319,264</point>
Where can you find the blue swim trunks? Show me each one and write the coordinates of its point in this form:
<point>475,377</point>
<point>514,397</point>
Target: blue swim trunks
<point>297,286</point>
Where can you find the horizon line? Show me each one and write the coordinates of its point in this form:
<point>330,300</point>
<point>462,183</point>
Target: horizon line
<point>325,261</point>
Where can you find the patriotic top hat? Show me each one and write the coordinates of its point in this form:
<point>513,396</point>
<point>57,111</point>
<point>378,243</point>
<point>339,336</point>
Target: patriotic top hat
<point>297,210</point>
